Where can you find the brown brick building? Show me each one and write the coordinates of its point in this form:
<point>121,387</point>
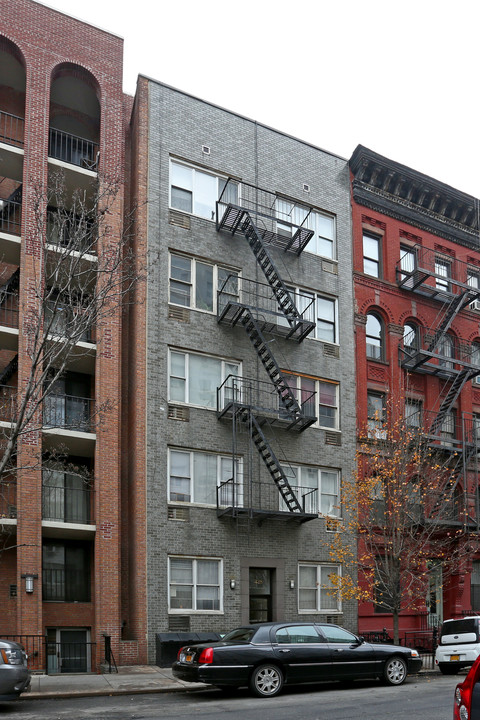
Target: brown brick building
<point>62,115</point>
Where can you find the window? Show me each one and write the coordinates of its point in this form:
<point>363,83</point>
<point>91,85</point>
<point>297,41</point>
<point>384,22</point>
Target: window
<point>475,360</point>
<point>194,283</point>
<point>376,412</point>
<point>473,279</point>
<point>447,430</point>
<point>194,191</point>
<point>475,585</point>
<point>66,494</point>
<point>317,398</point>
<point>413,414</point>
<point>299,634</point>
<point>316,590</point>
<point>443,272</point>
<point>195,584</point>
<point>446,350</point>
<point>194,379</point>
<point>318,309</point>
<point>411,340</point>
<point>407,263</point>
<point>338,635</point>
<point>375,337</point>
<point>195,476</point>
<point>371,254</point>
<point>290,216</point>
<point>326,482</point>
<point>66,571</point>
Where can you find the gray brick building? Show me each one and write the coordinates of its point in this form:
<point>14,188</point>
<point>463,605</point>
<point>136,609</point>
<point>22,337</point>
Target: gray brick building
<point>246,340</point>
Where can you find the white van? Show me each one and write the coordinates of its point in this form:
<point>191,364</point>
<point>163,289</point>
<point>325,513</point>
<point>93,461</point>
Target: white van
<point>458,644</point>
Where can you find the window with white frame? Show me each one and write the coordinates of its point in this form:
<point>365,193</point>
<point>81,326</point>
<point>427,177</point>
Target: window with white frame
<point>375,337</point>
<point>195,584</point>
<point>291,215</point>
<point>317,489</point>
<point>413,414</point>
<point>317,398</point>
<point>473,279</point>
<point>443,272</point>
<point>408,260</point>
<point>475,360</point>
<point>195,476</point>
<point>194,283</point>
<point>372,254</point>
<point>376,411</point>
<point>195,191</point>
<point>318,309</point>
<point>317,588</point>
<point>194,379</point>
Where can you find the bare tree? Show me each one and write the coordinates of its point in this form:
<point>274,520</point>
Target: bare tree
<point>81,278</point>
<point>406,508</point>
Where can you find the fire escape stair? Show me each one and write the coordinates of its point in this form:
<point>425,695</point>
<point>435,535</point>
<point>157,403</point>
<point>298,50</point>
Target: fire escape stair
<point>450,398</point>
<point>451,311</point>
<point>271,462</point>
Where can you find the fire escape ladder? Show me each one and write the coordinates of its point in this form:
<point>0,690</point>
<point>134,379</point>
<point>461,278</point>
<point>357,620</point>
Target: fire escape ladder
<point>270,271</point>
<point>271,462</point>
<point>451,311</point>
<point>287,397</point>
<point>450,398</point>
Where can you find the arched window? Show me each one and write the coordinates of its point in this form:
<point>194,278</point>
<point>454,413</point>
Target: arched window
<point>375,337</point>
<point>410,337</point>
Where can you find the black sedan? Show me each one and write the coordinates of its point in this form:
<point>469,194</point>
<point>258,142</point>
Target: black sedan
<point>266,656</point>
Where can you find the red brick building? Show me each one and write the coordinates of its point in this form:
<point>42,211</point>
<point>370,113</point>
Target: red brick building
<point>62,109</point>
<point>417,278</point>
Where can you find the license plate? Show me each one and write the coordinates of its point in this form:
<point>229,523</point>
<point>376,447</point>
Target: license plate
<point>454,658</point>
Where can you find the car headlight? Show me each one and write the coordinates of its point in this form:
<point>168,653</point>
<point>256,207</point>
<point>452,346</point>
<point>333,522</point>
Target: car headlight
<point>414,653</point>
<point>12,657</point>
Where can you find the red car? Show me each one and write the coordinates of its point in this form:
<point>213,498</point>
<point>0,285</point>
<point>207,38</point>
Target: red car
<point>467,695</point>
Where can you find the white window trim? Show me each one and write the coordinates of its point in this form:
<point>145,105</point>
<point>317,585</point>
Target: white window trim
<point>193,283</point>
<point>219,457</point>
<point>197,168</point>
<point>319,610</point>
<point>191,611</point>
<point>296,467</point>
<point>317,382</point>
<point>299,291</point>
<point>188,353</point>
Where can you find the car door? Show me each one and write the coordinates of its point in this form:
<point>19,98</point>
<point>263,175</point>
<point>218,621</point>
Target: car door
<point>351,657</point>
<point>303,651</point>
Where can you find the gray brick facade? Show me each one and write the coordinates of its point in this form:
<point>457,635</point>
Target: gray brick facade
<point>179,126</point>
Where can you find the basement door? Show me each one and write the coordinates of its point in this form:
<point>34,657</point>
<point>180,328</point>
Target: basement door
<point>68,650</point>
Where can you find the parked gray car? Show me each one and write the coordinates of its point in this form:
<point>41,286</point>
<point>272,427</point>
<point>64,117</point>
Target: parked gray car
<point>14,674</point>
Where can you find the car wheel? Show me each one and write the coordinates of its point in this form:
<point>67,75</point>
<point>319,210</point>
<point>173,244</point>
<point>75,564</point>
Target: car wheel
<point>448,669</point>
<point>266,681</point>
<point>395,671</point>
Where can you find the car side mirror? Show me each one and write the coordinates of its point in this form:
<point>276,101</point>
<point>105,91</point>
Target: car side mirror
<point>360,639</point>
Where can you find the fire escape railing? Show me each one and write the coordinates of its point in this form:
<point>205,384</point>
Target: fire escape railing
<point>264,218</point>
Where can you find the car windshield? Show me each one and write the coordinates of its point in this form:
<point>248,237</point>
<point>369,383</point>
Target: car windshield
<point>239,635</point>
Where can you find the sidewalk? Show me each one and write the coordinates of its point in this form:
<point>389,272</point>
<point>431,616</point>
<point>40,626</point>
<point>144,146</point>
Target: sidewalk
<point>129,680</point>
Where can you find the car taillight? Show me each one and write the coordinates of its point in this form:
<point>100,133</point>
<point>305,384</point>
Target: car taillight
<point>206,657</point>
<point>12,657</point>
<point>462,702</point>
<point>178,653</point>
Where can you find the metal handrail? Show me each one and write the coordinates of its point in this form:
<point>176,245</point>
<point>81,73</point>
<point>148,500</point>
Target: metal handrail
<point>73,149</point>
<point>12,129</point>
<point>262,396</point>
<point>68,411</point>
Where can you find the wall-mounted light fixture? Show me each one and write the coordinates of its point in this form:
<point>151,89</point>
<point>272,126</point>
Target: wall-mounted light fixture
<point>292,584</point>
<point>29,578</point>
<point>232,584</point>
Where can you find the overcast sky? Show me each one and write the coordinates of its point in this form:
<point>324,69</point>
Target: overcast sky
<point>401,78</point>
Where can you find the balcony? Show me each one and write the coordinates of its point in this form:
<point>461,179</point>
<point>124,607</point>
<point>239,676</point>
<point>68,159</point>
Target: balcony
<point>63,585</point>
<point>442,355</point>
<point>447,435</point>
<point>8,403</point>
<point>11,215</point>
<point>68,412</point>
<point>70,232</point>
<point>64,504</point>
<point>261,501</point>
<point>12,129</point>
<point>8,500</point>
<point>259,298</point>
<point>261,398</point>
<point>73,150</point>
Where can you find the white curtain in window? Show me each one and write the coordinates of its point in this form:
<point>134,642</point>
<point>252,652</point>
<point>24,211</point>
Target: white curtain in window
<point>328,599</point>
<point>205,377</point>
<point>204,478</point>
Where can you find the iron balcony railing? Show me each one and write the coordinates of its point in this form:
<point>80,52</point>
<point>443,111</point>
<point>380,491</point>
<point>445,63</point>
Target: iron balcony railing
<point>34,646</point>
<point>66,504</point>
<point>235,498</point>
<point>70,657</point>
<point>70,232</point>
<point>263,400</point>
<point>8,499</point>
<point>8,403</point>
<point>66,585</point>
<point>8,309</point>
<point>12,129</point>
<point>448,435</point>
<point>236,293</point>
<point>279,220</point>
<point>432,273</point>
<point>69,412</point>
<point>72,149</point>
<point>10,217</point>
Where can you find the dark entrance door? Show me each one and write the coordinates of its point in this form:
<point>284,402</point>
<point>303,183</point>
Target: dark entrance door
<point>260,593</point>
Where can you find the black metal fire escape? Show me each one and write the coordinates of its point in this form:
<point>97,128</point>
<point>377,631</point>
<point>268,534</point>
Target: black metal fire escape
<point>434,351</point>
<point>265,308</point>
